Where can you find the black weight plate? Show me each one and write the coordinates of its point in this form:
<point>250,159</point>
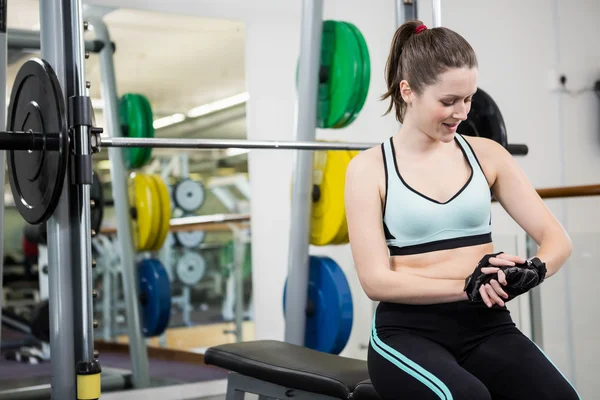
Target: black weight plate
<point>37,234</point>
<point>484,119</point>
<point>97,200</point>
<point>36,177</point>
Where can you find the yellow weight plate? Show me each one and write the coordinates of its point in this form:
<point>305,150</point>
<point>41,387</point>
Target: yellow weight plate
<point>328,212</point>
<point>164,208</point>
<point>140,198</point>
<point>340,237</point>
<point>346,238</point>
<point>155,211</point>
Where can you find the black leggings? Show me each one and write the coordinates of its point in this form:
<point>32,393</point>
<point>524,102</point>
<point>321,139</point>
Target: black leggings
<point>458,351</point>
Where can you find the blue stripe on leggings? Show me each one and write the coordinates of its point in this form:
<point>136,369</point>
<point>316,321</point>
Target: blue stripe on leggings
<point>410,367</point>
<point>559,371</point>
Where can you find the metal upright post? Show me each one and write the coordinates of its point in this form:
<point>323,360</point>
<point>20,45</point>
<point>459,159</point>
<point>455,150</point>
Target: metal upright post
<point>137,345</point>
<point>81,230</point>
<point>405,10</point>
<point>3,55</point>
<point>306,123</point>
<point>535,299</point>
<point>60,272</point>
<point>437,13</point>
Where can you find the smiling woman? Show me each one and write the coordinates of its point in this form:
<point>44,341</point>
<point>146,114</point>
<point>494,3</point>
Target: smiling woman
<point>419,218</point>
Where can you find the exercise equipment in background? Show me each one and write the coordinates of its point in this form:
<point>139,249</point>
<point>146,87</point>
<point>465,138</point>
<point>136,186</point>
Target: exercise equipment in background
<point>189,239</point>
<point>329,309</point>
<point>484,119</point>
<point>97,203</point>
<point>190,268</point>
<point>328,216</point>
<point>37,234</point>
<point>226,260</point>
<point>135,114</point>
<point>155,296</point>
<point>150,211</point>
<point>189,195</point>
<point>37,175</point>
<point>344,76</point>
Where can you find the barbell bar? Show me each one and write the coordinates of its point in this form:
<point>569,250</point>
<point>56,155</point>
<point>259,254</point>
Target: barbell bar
<point>30,141</point>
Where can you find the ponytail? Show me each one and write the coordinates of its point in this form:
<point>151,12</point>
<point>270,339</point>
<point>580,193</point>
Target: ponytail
<point>393,67</point>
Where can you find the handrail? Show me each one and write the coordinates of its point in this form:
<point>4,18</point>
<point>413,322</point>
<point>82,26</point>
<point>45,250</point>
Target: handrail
<point>569,191</point>
<point>213,222</point>
<point>221,221</point>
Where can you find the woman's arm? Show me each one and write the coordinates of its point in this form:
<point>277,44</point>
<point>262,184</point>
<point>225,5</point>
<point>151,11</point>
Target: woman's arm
<point>369,249</point>
<point>519,198</point>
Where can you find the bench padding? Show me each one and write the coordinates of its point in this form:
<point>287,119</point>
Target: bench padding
<point>291,366</point>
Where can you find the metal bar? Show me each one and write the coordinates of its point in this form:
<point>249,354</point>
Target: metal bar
<point>517,149</point>
<point>535,299</point>
<point>28,141</point>
<point>3,63</point>
<point>20,39</point>
<point>209,219</point>
<point>229,144</point>
<point>298,256</point>
<point>437,13</point>
<point>569,191</point>
<point>405,10</point>
<point>81,242</point>
<point>137,345</point>
<point>174,143</point>
<point>60,279</point>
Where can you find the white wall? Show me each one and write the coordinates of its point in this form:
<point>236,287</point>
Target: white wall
<point>522,46</point>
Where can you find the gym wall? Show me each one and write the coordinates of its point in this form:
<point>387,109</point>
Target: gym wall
<point>522,52</point>
<point>522,48</point>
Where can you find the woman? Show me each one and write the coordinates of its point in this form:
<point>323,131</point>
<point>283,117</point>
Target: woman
<point>418,210</point>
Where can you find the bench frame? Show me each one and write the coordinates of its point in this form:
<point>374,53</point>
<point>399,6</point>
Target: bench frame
<point>238,385</point>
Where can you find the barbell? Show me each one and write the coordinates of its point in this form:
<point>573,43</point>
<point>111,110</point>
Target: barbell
<point>39,145</point>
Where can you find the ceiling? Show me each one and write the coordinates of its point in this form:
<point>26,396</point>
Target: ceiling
<point>179,62</point>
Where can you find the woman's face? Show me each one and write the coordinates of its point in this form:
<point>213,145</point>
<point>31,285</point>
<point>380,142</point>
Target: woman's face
<point>443,105</point>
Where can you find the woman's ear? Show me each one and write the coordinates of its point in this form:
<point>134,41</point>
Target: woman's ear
<point>406,92</point>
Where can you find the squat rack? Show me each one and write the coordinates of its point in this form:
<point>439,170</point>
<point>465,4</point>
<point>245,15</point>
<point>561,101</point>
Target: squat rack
<point>69,240</point>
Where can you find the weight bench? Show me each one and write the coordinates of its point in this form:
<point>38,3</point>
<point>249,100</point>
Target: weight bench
<point>279,370</point>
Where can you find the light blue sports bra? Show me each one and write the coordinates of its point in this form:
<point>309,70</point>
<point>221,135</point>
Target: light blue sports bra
<point>414,223</point>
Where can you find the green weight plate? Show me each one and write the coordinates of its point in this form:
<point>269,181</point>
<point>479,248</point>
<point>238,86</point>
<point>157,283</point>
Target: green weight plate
<point>344,75</point>
<point>357,88</point>
<point>148,126</point>
<point>365,81</point>
<point>226,260</point>
<point>135,123</point>
<point>131,155</point>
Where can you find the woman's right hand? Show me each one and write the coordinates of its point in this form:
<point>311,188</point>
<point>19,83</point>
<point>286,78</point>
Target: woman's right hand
<point>492,292</point>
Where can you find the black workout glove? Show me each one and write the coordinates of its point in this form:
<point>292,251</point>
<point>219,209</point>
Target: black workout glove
<point>523,277</point>
<point>478,278</point>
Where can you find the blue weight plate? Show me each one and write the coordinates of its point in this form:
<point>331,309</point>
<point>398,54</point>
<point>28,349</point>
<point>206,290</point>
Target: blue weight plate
<point>155,296</point>
<point>337,282</point>
<point>329,309</point>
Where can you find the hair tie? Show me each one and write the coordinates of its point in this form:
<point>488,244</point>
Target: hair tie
<point>420,28</point>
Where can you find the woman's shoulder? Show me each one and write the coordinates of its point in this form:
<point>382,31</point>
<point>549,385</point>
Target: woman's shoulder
<point>367,165</point>
<point>485,147</point>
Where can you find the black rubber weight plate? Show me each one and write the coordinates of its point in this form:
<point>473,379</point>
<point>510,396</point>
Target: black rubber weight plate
<point>36,177</point>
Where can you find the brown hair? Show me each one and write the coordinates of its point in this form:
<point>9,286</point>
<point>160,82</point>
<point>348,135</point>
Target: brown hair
<point>420,57</point>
